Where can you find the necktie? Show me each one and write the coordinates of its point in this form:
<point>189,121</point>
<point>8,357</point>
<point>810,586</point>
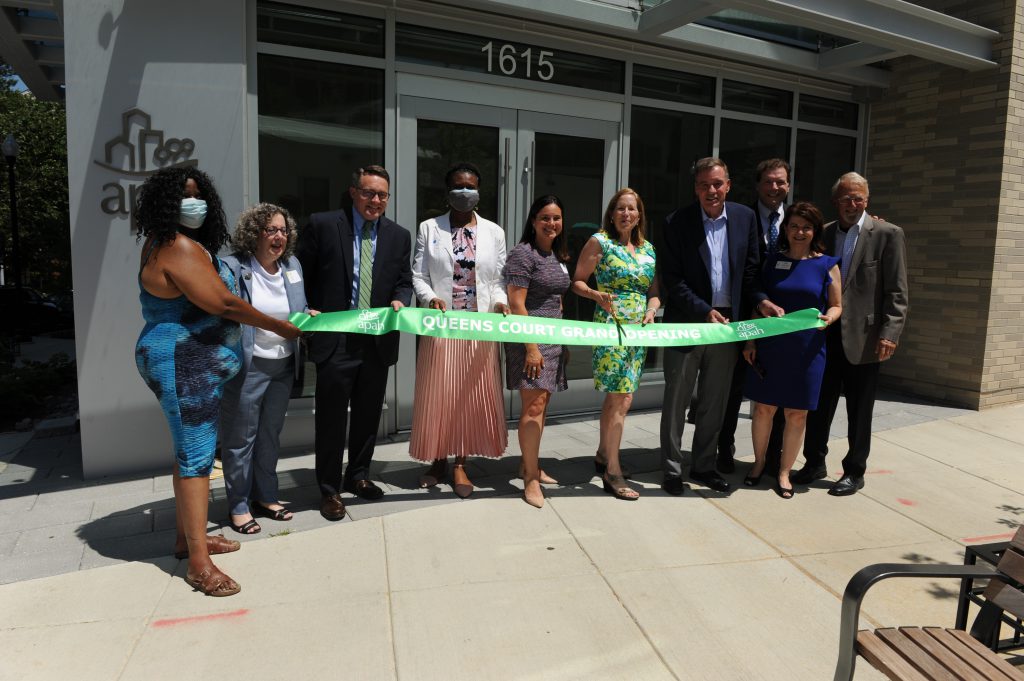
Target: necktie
<point>773,231</point>
<point>365,265</point>
<point>848,245</point>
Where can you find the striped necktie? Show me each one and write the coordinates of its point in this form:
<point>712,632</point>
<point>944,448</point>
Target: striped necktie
<point>365,265</point>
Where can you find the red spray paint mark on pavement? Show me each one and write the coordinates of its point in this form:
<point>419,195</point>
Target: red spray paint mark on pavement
<point>987,538</point>
<point>200,618</point>
<point>880,471</point>
<point>906,502</point>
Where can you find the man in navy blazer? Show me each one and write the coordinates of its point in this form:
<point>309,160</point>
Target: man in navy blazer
<point>769,210</point>
<point>352,369</point>
<point>708,263</point>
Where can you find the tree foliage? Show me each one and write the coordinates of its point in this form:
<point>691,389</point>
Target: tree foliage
<point>42,186</point>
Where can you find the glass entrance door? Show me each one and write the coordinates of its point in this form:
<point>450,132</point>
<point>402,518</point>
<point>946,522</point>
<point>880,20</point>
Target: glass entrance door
<point>521,155</point>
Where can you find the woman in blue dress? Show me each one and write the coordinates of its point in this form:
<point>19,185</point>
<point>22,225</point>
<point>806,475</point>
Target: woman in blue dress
<point>189,347</point>
<point>787,369</point>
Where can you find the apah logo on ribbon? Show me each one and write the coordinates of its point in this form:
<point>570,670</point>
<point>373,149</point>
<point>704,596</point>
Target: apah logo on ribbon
<point>746,331</point>
<point>135,154</point>
<point>370,321</point>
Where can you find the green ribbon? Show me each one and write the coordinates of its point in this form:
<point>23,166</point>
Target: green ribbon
<point>490,326</point>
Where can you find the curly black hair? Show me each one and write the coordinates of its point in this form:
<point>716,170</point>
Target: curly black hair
<point>159,205</point>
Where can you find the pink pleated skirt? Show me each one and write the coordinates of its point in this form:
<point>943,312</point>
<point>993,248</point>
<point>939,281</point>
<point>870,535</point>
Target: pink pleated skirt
<point>458,408</point>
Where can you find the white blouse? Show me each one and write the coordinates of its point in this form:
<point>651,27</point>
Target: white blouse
<point>270,298</point>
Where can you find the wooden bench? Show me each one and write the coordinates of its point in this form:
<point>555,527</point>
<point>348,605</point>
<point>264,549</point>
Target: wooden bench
<point>933,653</point>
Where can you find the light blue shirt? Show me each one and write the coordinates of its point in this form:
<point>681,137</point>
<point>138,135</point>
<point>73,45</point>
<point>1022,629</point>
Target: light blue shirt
<point>357,235</point>
<point>718,247</point>
<point>845,243</point>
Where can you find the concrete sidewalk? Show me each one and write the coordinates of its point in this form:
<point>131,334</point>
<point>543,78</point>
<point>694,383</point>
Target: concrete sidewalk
<point>421,585</point>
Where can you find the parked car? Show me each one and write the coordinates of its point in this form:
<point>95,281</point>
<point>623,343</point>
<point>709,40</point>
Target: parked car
<point>27,312</point>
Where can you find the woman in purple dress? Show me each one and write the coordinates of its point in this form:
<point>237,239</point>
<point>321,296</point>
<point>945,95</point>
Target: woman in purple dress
<point>537,278</point>
<point>787,369</point>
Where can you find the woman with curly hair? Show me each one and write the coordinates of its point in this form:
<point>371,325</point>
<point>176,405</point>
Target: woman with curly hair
<point>189,347</point>
<point>252,412</point>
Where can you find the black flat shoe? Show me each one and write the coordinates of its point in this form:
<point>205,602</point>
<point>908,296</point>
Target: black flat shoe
<point>845,486</point>
<point>712,480</point>
<point>807,475</point>
<point>784,492</point>
<point>752,480</point>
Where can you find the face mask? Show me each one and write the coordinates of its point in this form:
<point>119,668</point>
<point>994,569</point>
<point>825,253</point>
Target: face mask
<point>193,212</point>
<point>463,200</point>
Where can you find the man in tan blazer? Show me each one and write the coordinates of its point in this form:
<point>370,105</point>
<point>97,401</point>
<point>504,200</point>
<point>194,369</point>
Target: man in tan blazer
<point>874,270</point>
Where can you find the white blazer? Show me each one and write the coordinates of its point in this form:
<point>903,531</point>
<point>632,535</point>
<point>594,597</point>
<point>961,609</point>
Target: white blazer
<point>434,263</point>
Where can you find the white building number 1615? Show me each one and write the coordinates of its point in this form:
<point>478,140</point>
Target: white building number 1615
<point>508,61</point>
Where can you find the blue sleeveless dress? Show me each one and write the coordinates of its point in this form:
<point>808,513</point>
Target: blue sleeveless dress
<point>186,355</point>
<point>794,362</point>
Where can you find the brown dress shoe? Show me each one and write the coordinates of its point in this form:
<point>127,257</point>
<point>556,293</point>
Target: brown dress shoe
<point>332,507</point>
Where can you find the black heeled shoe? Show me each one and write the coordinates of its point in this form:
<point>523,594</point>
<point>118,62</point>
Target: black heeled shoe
<point>784,492</point>
<point>754,480</point>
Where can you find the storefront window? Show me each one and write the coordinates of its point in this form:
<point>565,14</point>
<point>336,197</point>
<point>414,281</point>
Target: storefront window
<point>319,29</point>
<point>756,99</point>
<point>828,112</point>
<point>742,145</point>
<point>663,147</point>
<point>674,86</point>
<point>820,160</point>
<point>318,122</point>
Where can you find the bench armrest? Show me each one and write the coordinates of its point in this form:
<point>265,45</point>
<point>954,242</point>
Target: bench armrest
<point>867,577</point>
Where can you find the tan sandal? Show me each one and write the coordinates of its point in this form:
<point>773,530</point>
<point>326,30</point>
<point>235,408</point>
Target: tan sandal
<point>213,582</point>
<point>461,489</point>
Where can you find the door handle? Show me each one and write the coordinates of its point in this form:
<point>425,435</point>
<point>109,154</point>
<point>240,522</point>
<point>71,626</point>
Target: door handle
<point>507,163</point>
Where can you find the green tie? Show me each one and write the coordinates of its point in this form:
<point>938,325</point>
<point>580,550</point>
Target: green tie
<point>365,266</point>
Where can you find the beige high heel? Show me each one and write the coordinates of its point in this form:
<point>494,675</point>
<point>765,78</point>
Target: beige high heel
<point>461,489</point>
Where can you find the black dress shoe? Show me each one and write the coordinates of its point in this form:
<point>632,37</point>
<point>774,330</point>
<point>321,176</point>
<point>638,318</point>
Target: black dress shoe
<point>364,489</point>
<point>674,486</point>
<point>332,507</point>
<point>712,480</point>
<point>845,486</point>
<point>807,475</point>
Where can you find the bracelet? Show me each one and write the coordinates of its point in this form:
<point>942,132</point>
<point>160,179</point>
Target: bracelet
<point>652,309</point>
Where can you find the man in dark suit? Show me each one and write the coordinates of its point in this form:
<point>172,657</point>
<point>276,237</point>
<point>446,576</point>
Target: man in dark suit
<point>874,271</point>
<point>354,258</point>
<point>708,262</point>
<point>769,209</point>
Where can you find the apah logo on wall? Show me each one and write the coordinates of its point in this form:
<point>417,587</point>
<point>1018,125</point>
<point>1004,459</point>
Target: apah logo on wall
<point>135,154</point>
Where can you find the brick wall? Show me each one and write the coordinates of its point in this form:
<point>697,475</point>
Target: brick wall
<point>945,159</point>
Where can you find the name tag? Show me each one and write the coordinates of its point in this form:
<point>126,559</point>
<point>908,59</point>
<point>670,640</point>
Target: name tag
<point>783,265</point>
<point>564,268</point>
<point>293,276</point>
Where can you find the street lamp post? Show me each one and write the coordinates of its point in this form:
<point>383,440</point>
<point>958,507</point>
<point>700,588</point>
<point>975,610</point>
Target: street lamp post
<point>10,151</point>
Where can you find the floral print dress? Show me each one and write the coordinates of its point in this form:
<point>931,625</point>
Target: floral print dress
<point>627,276</point>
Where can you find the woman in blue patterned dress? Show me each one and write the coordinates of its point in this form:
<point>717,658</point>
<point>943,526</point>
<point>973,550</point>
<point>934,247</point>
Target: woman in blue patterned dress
<point>189,347</point>
<point>623,262</point>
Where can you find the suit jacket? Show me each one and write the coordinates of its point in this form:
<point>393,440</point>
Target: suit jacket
<point>685,271</point>
<point>435,258</point>
<point>875,291</point>
<point>325,251</point>
<point>294,288</point>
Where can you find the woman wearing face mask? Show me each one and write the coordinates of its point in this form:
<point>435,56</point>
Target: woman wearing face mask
<point>252,413</point>
<point>458,409</point>
<point>537,279</point>
<point>189,346</point>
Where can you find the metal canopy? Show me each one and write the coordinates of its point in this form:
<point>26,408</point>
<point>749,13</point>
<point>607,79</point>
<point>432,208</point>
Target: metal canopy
<point>879,29</point>
<point>32,42</point>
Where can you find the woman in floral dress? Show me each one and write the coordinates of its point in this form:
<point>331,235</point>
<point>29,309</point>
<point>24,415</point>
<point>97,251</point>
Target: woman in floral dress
<point>622,261</point>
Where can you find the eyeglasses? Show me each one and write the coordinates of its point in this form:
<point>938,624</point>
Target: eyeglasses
<point>855,200</point>
<point>271,231</point>
<point>368,194</point>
